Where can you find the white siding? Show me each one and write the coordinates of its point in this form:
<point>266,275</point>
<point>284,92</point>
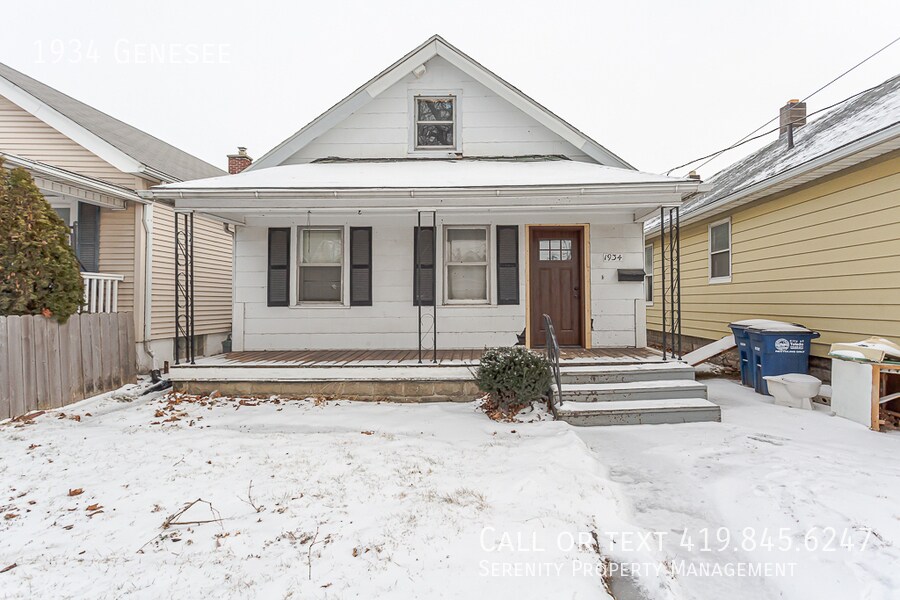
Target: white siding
<point>391,323</point>
<point>490,126</point>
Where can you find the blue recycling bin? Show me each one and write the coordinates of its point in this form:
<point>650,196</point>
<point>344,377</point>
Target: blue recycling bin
<point>779,349</point>
<point>745,351</point>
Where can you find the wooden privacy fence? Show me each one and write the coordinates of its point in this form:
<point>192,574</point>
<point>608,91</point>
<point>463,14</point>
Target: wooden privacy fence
<point>45,364</point>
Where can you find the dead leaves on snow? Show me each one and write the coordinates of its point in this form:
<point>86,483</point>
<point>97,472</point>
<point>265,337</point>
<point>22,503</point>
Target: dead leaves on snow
<point>76,492</point>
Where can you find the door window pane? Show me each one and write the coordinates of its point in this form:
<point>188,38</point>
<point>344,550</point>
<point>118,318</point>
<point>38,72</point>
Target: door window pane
<point>554,249</point>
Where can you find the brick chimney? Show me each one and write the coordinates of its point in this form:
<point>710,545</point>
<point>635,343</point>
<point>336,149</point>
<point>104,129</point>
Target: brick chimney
<point>792,112</point>
<point>238,162</point>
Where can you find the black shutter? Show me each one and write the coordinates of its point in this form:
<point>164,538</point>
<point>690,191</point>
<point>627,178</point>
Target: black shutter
<point>360,266</point>
<point>87,246</point>
<point>279,278</point>
<point>507,264</point>
<point>424,258</point>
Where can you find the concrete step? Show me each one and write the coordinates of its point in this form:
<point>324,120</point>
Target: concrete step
<point>625,373</point>
<point>631,391</point>
<point>639,412</point>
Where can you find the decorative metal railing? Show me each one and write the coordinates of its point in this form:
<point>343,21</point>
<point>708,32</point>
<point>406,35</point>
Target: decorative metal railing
<point>553,357</point>
<point>101,292</point>
<point>671,289</point>
<point>184,287</point>
<point>428,313</point>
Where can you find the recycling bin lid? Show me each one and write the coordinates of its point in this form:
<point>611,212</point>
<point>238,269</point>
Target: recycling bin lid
<point>757,323</point>
<point>777,327</point>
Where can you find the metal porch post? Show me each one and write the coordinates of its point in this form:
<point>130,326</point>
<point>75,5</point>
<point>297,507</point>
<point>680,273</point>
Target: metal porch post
<point>662,256</point>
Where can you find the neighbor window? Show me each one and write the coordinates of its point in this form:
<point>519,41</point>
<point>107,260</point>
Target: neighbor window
<point>466,265</point>
<point>720,251</point>
<point>648,273</point>
<point>435,122</point>
<point>320,265</point>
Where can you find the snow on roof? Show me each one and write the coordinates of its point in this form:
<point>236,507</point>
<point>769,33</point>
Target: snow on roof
<point>868,113</point>
<point>423,173</point>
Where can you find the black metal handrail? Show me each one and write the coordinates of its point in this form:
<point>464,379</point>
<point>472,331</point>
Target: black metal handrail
<point>553,357</point>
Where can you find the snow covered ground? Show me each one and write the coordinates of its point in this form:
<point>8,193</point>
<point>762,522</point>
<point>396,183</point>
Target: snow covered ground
<point>363,500</point>
<point>769,486</point>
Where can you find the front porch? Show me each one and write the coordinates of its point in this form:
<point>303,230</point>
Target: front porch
<point>395,375</point>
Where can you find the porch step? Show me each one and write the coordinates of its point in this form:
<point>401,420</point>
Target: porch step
<point>631,391</point>
<point>639,412</point>
<point>625,373</point>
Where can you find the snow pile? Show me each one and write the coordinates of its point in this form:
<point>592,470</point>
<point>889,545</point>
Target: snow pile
<point>187,497</point>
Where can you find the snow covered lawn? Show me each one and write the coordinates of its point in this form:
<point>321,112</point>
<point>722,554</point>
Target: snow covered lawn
<point>362,500</point>
<point>355,500</point>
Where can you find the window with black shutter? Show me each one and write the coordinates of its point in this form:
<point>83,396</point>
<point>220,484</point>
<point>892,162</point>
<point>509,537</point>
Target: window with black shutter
<point>360,266</point>
<point>278,282</point>
<point>87,244</point>
<point>507,264</point>
<point>423,266</point>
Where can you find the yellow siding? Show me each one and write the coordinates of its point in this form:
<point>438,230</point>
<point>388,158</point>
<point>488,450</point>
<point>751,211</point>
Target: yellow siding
<point>826,255</point>
<point>117,241</point>
<point>24,134</point>
<point>212,273</point>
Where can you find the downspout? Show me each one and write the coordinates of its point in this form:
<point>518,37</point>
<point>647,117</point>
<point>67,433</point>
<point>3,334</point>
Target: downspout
<point>147,222</point>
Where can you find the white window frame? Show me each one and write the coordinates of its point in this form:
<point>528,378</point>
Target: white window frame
<point>648,274</point>
<point>709,255</point>
<point>434,151</point>
<point>298,256</point>
<point>446,264</point>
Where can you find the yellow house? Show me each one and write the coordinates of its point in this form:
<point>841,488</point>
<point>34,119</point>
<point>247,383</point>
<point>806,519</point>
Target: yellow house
<point>91,167</point>
<point>805,230</point>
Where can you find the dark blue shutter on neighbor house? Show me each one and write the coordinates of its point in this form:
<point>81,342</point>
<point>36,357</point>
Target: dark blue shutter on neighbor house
<point>423,265</point>
<point>87,239</point>
<point>507,264</point>
<point>279,273</point>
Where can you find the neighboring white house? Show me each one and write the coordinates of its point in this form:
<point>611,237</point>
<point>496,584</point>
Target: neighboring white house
<point>514,212</point>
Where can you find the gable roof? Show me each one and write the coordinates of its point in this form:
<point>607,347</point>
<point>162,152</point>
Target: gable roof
<point>865,126</point>
<point>125,147</point>
<point>437,46</point>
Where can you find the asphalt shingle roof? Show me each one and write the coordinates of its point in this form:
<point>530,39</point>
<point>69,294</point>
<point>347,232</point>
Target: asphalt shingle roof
<point>143,147</point>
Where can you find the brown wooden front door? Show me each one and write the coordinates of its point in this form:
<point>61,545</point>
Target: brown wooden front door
<point>556,284</point>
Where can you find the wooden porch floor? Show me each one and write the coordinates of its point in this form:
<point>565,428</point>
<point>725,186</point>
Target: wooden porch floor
<point>339,358</point>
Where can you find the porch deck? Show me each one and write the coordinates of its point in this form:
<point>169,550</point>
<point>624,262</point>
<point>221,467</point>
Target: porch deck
<point>410,358</point>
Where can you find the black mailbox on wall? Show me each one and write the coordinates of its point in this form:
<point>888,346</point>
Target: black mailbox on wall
<point>631,274</point>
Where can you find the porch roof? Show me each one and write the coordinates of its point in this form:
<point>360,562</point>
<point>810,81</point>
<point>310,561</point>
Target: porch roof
<point>411,174</point>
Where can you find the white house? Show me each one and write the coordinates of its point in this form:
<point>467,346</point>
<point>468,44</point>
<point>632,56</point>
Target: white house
<point>436,171</point>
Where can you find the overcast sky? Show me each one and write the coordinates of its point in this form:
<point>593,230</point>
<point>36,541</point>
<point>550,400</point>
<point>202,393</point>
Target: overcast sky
<point>659,83</point>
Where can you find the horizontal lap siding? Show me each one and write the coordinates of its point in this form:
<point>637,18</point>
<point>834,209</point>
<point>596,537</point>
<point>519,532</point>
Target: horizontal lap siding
<point>23,134</point>
<point>392,320</point>
<point>117,241</point>
<point>212,275</point>
<point>826,256</point>
<point>491,126</point>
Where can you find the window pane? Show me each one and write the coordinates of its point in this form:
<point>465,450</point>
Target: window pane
<point>648,260</point>
<point>434,135</point>
<point>435,110</point>
<point>719,266</point>
<point>320,284</point>
<point>718,237</point>
<point>321,246</point>
<point>466,283</point>
<point>467,245</point>
<point>648,288</point>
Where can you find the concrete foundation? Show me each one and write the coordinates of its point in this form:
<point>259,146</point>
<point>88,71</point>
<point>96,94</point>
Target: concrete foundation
<point>374,390</point>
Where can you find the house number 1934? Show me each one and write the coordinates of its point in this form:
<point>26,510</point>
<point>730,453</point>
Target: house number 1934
<point>612,257</point>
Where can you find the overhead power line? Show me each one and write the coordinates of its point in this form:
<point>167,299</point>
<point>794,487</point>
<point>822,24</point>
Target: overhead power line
<point>747,138</point>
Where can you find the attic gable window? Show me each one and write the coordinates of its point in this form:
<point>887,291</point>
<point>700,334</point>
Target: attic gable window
<point>435,122</point>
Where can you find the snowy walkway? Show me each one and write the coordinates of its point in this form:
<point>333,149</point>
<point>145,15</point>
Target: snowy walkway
<point>765,468</point>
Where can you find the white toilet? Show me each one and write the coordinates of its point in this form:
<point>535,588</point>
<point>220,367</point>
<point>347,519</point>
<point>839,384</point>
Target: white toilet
<point>793,389</point>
